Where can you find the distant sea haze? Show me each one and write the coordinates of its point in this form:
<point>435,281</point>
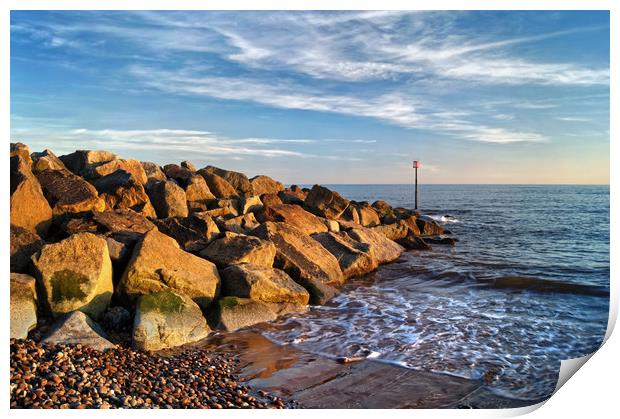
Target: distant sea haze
<point>524,288</point>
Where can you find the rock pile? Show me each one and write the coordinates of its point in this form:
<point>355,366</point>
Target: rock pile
<point>181,251</point>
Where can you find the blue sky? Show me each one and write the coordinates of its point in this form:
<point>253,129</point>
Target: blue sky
<point>322,97</point>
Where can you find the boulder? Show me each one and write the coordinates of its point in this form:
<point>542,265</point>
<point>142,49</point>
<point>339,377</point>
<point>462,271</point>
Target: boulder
<point>383,209</point>
<point>265,185</point>
<point>227,208</point>
<point>450,241</point>
<point>75,274</point>
<point>394,231</point>
<point>382,249</point>
<point>304,259</point>
<point>193,233</point>
<point>270,199</point>
<point>120,190</point>
<point>234,313</point>
<point>249,204</point>
<point>179,174</point>
<point>81,161</point>
<point>75,223</point>
<point>413,242</point>
<point>332,225</point>
<point>238,248</point>
<point>133,167</point>
<point>24,243</point>
<point>189,166</point>
<point>242,224</point>
<point>119,251</point>
<point>368,216</point>
<point>239,181</point>
<point>428,226</point>
<point>46,160</point>
<point>351,214</point>
<point>158,264</point>
<point>354,258</point>
<point>293,215</point>
<point>168,199</point>
<point>21,150</point>
<point>124,221</point>
<point>197,193</point>
<point>167,319</point>
<point>29,207</point>
<point>23,305</point>
<point>292,196</point>
<point>411,223</point>
<point>325,203</point>
<point>266,284</point>
<point>218,185</point>
<point>153,171</point>
<point>68,193</point>
<point>347,225</point>
<point>77,328</point>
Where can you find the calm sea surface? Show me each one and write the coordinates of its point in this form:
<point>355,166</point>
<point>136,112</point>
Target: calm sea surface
<point>442,310</point>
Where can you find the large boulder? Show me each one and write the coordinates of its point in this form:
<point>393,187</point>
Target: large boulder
<point>262,283</point>
<point>122,221</point>
<point>239,181</point>
<point>269,199</point>
<point>68,193</point>
<point>325,203</point>
<point>168,199</point>
<point>180,174</point>
<point>354,258</point>
<point>133,167</point>
<point>234,313</point>
<point>383,209</point>
<point>197,193</point>
<point>304,259</point>
<point>293,195</point>
<point>21,150</point>
<point>395,231</point>
<point>78,328</point>
<point>413,242</point>
<point>46,160</point>
<point>29,207</point>
<point>23,305</point>
<point>193,233</point>
<point>218,185</point>
<point>249,204</point>
<point>428,226</point>
<point>238,248</point>
<point>121,190</point>
<point>242,224</point>
<point>382,249</point>
<point>76,274</point>
<point>265,185</point>
<point>411,222</point>
<point>368,216</point>
<point>158,264</point>
<point>293,215</point>
<point>188,165</point>
<point>153,171</point>
<point>351,214</point>
<point>80,162</point>
<point>24,243</point>
<point>167,319</point>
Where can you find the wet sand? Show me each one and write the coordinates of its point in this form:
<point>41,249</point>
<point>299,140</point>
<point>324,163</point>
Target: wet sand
<point>319,382</point>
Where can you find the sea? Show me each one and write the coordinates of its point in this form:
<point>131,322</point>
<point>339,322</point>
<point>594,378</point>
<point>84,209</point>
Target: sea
<point>526,286</point>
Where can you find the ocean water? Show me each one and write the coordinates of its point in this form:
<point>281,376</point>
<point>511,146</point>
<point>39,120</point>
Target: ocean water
<point>524,288</point>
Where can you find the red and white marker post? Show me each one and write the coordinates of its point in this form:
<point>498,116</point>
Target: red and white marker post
<point>416,164</point>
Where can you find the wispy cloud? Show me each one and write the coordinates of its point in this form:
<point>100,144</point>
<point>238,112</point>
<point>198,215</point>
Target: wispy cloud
<point>572,119</point>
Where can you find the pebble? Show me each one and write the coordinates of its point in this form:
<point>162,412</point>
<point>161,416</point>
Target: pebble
<point>79,377</point>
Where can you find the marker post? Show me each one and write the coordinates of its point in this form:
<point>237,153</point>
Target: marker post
<point>416,164</point>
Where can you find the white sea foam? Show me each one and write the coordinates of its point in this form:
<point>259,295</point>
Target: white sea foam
<point>445,219</point>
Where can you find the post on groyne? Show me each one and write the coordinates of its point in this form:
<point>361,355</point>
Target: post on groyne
<point>416,164</point>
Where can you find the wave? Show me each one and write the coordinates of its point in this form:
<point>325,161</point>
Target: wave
<point>444,219</point>
<point>548,285</point>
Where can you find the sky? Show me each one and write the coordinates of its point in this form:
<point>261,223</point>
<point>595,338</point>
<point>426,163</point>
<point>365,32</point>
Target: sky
<point>322,97</point>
